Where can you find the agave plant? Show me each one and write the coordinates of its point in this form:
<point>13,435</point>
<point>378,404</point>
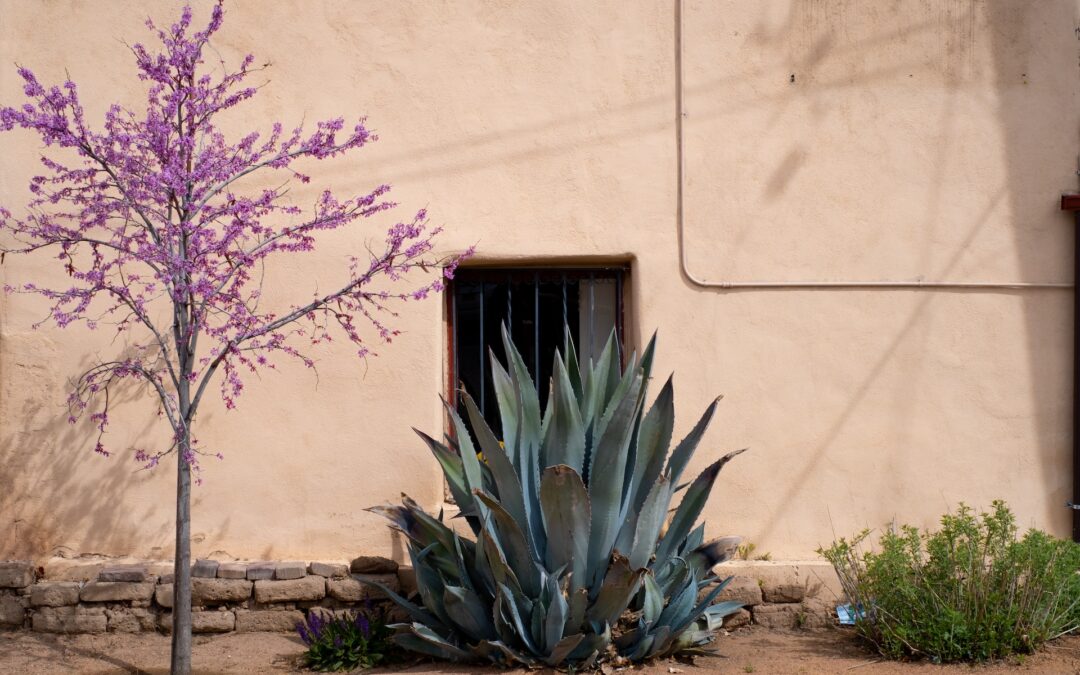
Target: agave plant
<point>572,563</point>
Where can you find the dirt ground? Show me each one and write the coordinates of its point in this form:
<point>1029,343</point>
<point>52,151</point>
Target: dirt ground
<point>745,651</point>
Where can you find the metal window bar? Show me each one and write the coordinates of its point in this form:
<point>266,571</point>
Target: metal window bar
<point>486,279</point>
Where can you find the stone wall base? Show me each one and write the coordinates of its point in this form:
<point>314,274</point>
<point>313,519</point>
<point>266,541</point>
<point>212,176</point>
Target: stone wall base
<point>98,596</point>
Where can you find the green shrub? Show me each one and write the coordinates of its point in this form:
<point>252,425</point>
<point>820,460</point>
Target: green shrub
<point>971,591</point>
<point>345,642</point>
<point>571,563</point>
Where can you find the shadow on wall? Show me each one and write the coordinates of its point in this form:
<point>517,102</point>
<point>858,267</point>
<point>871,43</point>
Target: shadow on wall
<point>70,500</point>
<point>1028,132</point>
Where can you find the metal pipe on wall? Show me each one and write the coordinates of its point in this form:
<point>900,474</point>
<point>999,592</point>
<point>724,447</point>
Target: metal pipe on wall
<point>680,115</point>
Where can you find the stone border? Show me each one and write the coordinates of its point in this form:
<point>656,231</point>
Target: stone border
<point>781,594</point>
<point>102,596</point>
<point>132,597</point>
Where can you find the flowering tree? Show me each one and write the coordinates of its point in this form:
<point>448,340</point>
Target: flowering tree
<point>165,238</point>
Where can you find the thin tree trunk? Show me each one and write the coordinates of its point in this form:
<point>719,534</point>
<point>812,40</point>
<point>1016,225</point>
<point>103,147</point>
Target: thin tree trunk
<point>181,630</point>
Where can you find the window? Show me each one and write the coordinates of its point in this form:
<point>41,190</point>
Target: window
<point>535,304</point>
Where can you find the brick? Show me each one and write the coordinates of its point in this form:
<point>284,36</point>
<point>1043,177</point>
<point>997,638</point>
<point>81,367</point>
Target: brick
<point>783,592</point>
<point>16,573</point>
<point>115,591</point>
<point>323,569</point>
<point>127,573</point>
<point>292,590</point>
<point>202,622</point>
<point>54,594</point>
<point>782,616</point>
<point>290,570</point>
<point>232,571</point>
<point>744,590</point>
<point>260,570</point>
<point>69,620</point>
<point>129,620</point>
<point>268,621</point>
<point>818,613</point>
<point>207,592</point>
<point>373,564</point>
<point>12,611</point>
<point>407,579</point>
<point>737,619</point>
<point>351,588</point>
<point>205,569</point>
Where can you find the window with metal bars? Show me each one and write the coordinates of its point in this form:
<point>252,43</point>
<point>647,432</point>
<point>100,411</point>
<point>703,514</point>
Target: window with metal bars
<point>535,304</point>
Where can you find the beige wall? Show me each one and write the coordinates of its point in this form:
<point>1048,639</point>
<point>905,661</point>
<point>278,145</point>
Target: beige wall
<point>919,139</point>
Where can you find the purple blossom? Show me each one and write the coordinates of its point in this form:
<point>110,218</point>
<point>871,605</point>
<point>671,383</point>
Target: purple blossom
<point>148,219</point>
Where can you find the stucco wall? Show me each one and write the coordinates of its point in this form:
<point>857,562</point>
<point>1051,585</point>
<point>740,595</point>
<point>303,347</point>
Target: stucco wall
<point>824,140</point>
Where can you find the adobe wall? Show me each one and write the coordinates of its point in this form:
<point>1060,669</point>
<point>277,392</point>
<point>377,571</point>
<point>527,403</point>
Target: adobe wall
<point>824,140</point>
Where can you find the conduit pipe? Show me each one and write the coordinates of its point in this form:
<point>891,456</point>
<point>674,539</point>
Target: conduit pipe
<point>680,115</point>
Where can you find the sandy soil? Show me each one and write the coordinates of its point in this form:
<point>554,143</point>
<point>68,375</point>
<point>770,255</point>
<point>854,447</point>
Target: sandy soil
<point>746,651</point>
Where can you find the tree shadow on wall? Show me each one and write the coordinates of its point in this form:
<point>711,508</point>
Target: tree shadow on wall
<point>63,498</point>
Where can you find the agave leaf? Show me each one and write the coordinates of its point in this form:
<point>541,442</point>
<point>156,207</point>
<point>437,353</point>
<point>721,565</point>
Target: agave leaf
<point>562,649</point>
<point>564,439</point>
<point>620,585</point>
<point>463,575</point>
<point>614,374</point>
<point>592,644</point>
<point>579,604</point>
<point>414,643</point>
<point>481,571</point>
<point>647,360</point>
<point>605,490</point>
<point>414,611</point>
<point>523,382</point>
<point>715,614</point>
<point>662,640</point>
<point>706,556</point>
<point>509,601</point>
<point>671,575</point>
<point>499,652</point>
<point>652,444</point>
<point>529,436</point>
<point>680,606</point>
<point>649,522</point>
<point>692,541</point>
<point>682,453</point>
<point>502,469</point>
<point>615,396</point>
<point>500,570</point>
<point>683,622</point>
<point>452,468</point>
<point>469,461</point>
<point>425,635</point>
<point>468,612</point>
<point>514,545</point>
<point>555,618</point>
<point>573,371</point>
<point>690,507</point>
<point>430,587</point>
<point>567,515</point>
<point>654,601</point>
<point>594,386</point>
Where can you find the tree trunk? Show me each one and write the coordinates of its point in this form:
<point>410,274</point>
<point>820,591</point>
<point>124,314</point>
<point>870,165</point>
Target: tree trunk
<point>181,630</point>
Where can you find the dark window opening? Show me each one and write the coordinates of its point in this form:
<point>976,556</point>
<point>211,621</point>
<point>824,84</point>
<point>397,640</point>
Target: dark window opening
<point>535,304</point>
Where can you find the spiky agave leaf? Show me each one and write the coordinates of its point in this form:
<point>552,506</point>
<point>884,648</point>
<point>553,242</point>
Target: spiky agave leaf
<point>569,513</point>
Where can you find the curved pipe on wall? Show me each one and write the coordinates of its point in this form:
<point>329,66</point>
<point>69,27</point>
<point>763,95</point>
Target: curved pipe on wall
<point>680,115</point>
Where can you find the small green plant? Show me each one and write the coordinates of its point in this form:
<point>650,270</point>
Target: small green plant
<point>971,591</point>
<point>346,642</point>
<point>749,668</point>
<point>747,552</point>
